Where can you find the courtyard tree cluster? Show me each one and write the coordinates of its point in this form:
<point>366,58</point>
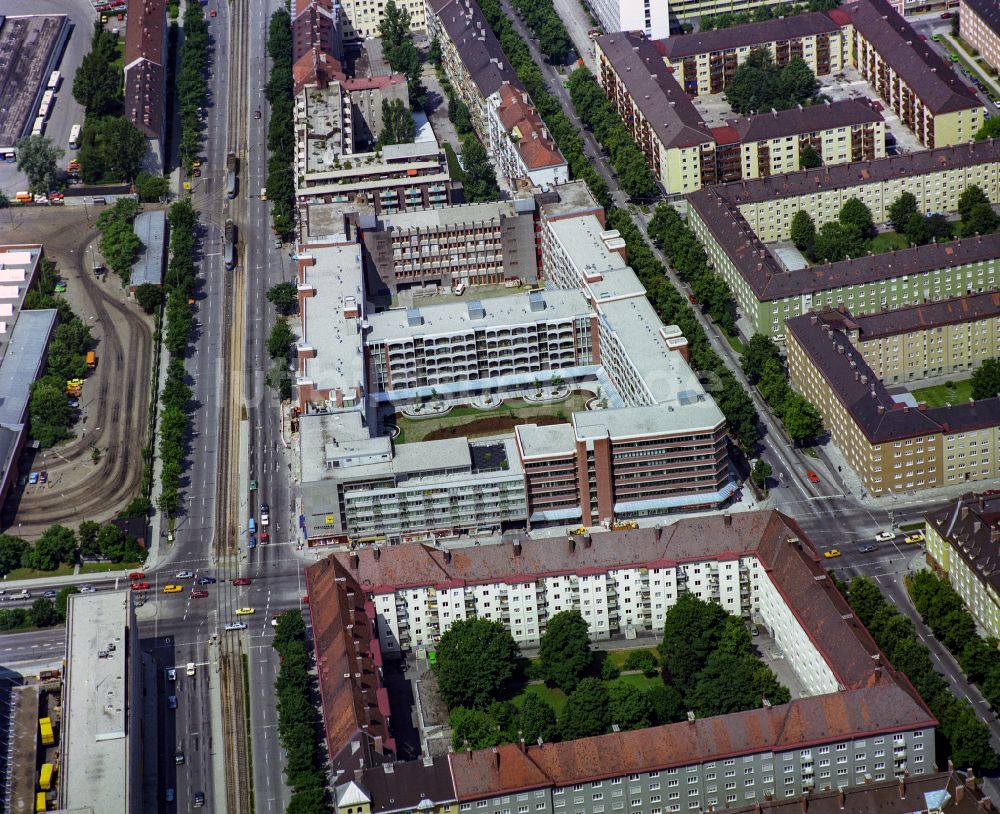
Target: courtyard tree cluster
<point>759,86</point>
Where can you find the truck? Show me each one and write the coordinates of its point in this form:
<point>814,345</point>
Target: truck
<point>91,360</point>
<point>45,776</point>
<point>45,728</point>
<point>229,248</point>
<point>232,168</point>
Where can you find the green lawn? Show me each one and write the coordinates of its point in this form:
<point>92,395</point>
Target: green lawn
<point>941,394</point>
<point>31,573</point>
<point>103,567</point>
<point>886,241</point>
<point>735,342</point>
<point>517,411</point>
<point>619,657</point>
<point>556,698</point>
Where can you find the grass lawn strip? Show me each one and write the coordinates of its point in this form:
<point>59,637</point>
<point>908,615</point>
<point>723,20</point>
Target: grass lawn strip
<point>942,394</point>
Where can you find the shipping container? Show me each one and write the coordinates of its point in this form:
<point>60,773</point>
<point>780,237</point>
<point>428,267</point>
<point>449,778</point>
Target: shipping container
<point>45,776</point>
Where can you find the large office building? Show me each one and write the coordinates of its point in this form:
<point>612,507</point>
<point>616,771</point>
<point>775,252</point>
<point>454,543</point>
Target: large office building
<point>653,441</point>
<point>962,542</point>
<point>101,768</point>
<point>735,222</point>
<point>979,26</point>
<point>686,154</point>
<point>502,113</point>
<point>892,442</point>
<point>470,245</point>
<point>707,61</point>
<point>855,722</point>
<point>910,76</point>
<point>145,61</point>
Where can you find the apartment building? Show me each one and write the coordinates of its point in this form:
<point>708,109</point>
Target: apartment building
<point>651,17</point>
<point>913,80</point>
<point>736,221</point>
<point>979,25</point>
<point>317,43</point>
<point>471,245</point>
<point>502,113</point>
<point>686,154</point>
<point>962,541</point>
<point>857,723</point>
<point>706,62</point>
<point>145,64</point>
<point>930,339</point>
<point>361,18</point>
<point>361,487</point>
<point>893,443</point>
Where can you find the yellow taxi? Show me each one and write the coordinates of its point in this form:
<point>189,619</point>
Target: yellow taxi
<point>245,611</point>
<point>173,589</point>
<point>916,537</point>
<point>833,552</point>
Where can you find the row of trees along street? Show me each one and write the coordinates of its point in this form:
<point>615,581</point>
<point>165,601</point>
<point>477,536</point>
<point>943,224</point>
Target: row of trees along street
<point>962,736</point>
<point>192,82</point>
<point>705,662</point>
<point>280,127</point>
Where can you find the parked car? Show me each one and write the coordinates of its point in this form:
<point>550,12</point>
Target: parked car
<point>813,477</point>
<point>33,478</point>
<point>170,795</point>
<point>171,674</point>
<point>43,477</point>
<point>172,701</point>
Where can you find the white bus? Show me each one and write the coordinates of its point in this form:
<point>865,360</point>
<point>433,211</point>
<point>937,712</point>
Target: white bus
<point>74,137</point>
<point>43,111</point>
<point>55,80</point>
<point>39,126</point>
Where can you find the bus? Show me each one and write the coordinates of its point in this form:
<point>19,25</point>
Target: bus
<point>39,126</point>
<point>74,137</point>
<point>55,80</point>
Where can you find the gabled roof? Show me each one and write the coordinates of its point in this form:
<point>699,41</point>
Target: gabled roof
<point>799,120</point>
<point>519,117</point>
<point>750,35</point>
<point>972,525</point>
<point>929,315</point>
<point>663,103</point>
<point>931,78</point>
<point>986,10</point>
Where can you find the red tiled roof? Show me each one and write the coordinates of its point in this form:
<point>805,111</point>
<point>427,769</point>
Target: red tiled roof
<point>725,135</point>
<point>355,707</point>
<point>535,145</point>
<point>144,98</point>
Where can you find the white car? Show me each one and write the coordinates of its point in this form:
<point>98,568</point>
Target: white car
<point>885,536</point>
<point>171,674</point>
<point>88,589</point>
<point>184,574</point>
<point>190,668</point>
<point>236,626</point>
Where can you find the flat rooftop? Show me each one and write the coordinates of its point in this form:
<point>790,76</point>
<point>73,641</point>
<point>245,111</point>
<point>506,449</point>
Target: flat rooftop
<point>95,719</point>
<point>18,267</point>
<point>151,229</point>
<point>28,46</point>
<point>448,216</point>
<point>583,239</point>
<point>336,279</point>
<point>460,317</point>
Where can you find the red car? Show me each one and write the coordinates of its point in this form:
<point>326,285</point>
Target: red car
<point>140,586</point>
<point>137,575</point>
<point>813,477</point>
<point>265,538</point>
<point>242,581</point>
<point>199,594</point>
<point>212,13</point>
<point>946,16</point>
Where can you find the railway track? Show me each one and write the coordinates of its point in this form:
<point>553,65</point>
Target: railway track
<point>226,537</point>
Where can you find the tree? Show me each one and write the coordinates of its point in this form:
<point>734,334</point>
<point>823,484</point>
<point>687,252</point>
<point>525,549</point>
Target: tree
<point>986,380</point>
<point>628,707</point>
<point>979,659</point>
<point>835,242</point>
<point>57,545</point>
<point>480,176</point>
<point>123,147</point>
<point>809,158</point>
<point>866,599</point>
<point>856,216</point>
<point>801,419</point>
<point>87,534</point>
<point>399,50</point>
<point>981,220</point>
<point>564,650</point>
<point>537,720</point>
<point>38,159</point>
<point>284,297</point>
<point>49,412</point>
<point>12,550</point>
<point>279,343</point>
<point>735,639</point>
<point>760,350</point>
<point>43,613</point>
<point>472,728</point>
<point>62,600</point>
<point>434,52</point>
<point>280,380</point>
<point>139,506</point>
<point>901,210</point>
<point>989,129</point>
<point>760,473</point>
<point>691,631</point>
<point>291,627</point>
<point>97,82</point>
<point>397,123</point>
<point>149,297</point>
<point>667,703</point>
<point>803,232</point>
<point>475,658</point>
<point>151,188</point>
<point>758,85</point>
<point>643,660</point>
<point>971,197</point>
<point>586,711</point>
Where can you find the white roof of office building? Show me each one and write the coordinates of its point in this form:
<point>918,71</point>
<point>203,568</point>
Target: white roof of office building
<point>151,229</point>
<point>18,268</point>
<point>583,239</point>
<point>336,277</point>
<point>638,422</point>
<point>552,439</point>
<point>459,317</point>
<point>347,430</point>
<point>95,715</point>
<point>435,218</point>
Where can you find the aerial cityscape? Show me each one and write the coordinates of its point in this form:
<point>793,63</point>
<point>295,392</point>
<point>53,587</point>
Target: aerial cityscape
<point>500,406</point>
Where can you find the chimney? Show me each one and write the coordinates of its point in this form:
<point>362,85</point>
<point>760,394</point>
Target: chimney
<point>959,794</point>
<point>586,541</point>
<point>803,804</point>
<point>517,553</point>
<point>902,789</point>
<point>358,774</point>
<point>970,780</point>
<point>447,556</point>
<point>378,745</point>
<point>727,519</point>
<point>377,553</point>
<point>571,540</point>
<point>496,757</point>
<point>355,560</point>
<point>841,799</point>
